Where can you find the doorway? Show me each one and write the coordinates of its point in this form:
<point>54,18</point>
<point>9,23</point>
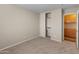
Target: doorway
<point>70,27</point>
<point>48,24</point>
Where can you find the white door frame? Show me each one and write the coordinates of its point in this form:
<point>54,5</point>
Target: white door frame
<point>77,31</point>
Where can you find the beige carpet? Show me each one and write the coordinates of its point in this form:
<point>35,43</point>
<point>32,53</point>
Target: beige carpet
<point>43,46</point>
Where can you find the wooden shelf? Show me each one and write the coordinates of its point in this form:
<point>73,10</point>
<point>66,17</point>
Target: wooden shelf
<point>70,33</point>
<point>70,39</point>
<point>69,22</point>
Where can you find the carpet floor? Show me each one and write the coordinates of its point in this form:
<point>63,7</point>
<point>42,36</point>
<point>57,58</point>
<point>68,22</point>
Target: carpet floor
<point>43,46</point>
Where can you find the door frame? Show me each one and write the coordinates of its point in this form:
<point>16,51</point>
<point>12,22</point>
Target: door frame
<point>77,31</point>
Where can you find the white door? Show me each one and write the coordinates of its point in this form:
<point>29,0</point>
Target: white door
<point>56,25</point>
<point>77,32</point>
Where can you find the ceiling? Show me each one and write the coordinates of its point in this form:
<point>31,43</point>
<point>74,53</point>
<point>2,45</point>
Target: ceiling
<point>45,7</point>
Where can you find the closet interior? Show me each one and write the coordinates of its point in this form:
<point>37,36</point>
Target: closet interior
<point>70,27</point>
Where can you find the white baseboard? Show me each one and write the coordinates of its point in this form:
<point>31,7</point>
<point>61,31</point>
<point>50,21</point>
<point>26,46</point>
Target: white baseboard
<point>19,43</point>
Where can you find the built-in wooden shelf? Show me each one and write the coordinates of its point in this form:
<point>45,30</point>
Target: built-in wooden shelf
<point>69,22</point>
<point>70,34</point>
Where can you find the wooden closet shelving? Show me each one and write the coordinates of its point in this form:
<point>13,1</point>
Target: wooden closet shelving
<point>70,33</point>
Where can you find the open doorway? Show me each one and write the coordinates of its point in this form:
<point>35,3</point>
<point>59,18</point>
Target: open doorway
<point>70,27</point>
<point>48,24</point>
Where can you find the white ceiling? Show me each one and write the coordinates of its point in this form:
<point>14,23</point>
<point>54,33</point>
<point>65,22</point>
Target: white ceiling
<point>45,7</point>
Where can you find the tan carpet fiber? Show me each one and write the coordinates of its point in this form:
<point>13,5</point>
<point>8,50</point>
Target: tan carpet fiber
<point>43,46</point>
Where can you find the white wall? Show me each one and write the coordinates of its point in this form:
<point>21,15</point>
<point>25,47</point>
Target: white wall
<point>17,24</point>
<point>42,25</point>
<point>56,25</point>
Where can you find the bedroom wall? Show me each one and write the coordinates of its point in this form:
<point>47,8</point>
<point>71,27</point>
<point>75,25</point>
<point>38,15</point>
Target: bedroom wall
<point>16,25</point>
